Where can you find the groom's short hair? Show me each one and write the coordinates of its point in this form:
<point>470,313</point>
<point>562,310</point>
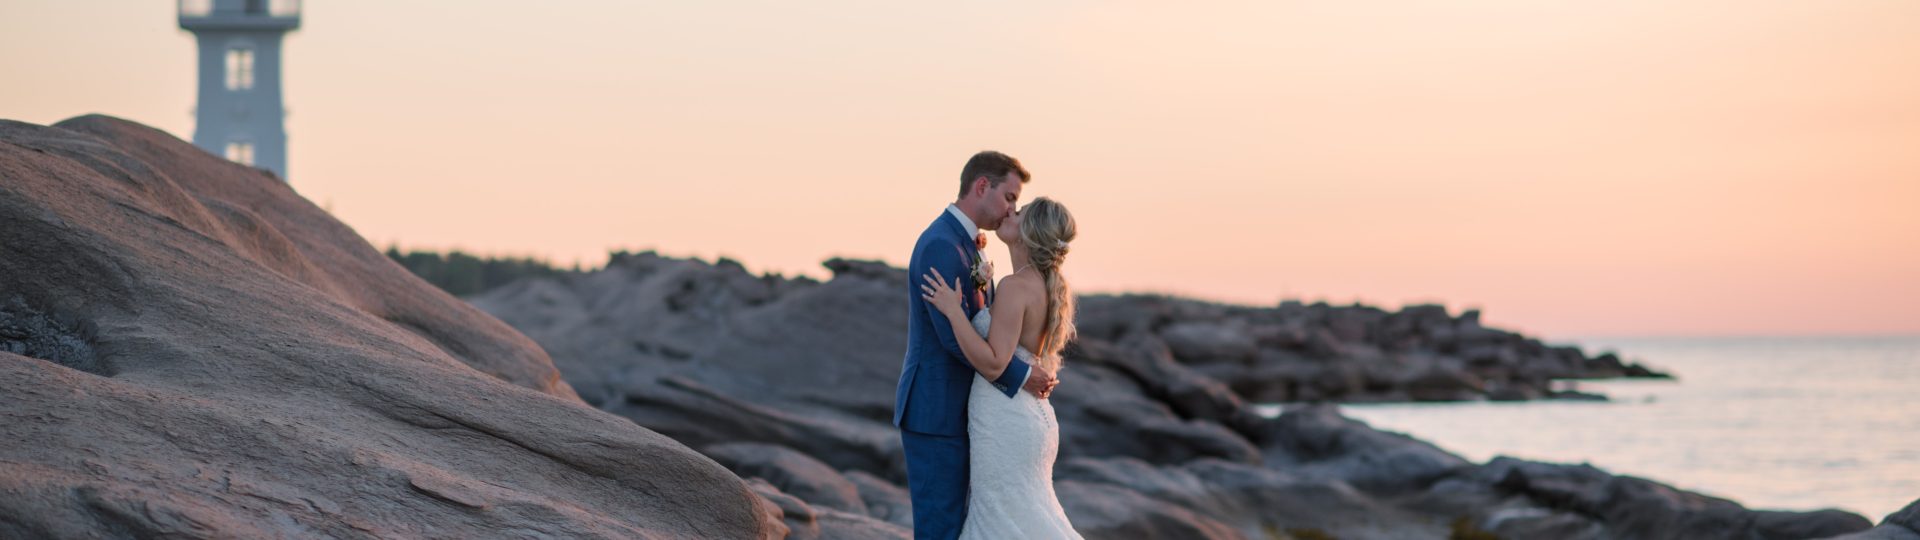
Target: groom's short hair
<point>993,165</point>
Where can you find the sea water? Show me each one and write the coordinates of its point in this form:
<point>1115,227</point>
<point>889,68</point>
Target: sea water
<point>1788,423</point>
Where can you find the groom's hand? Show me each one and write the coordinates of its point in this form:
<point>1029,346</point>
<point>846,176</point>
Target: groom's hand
<point>1040,382</point>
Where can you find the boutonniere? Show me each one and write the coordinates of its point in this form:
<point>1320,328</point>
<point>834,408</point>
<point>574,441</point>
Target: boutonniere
<point>982,273</point>
<point>982,268</point>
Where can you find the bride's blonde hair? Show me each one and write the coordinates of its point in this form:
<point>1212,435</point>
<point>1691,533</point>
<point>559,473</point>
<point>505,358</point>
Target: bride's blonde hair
<point>1047,228</point>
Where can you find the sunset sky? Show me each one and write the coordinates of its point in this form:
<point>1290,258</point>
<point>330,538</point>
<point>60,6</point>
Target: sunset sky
<point>1597,168</point>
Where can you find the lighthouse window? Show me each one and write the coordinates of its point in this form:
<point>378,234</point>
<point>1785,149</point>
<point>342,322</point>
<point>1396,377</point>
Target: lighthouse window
<point>240,152</point>
<point>239,68</point>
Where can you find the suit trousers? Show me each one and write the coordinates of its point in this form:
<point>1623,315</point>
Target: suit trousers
<point>937,474</point>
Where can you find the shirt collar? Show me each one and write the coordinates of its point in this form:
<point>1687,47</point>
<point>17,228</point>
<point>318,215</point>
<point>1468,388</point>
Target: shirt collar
<point>973,231</point>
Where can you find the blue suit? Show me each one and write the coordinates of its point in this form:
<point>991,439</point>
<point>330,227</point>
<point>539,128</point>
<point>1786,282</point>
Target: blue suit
<point>930,405</point>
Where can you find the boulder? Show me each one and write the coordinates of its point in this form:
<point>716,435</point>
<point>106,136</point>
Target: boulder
<point>885,501</point>
<point>1102,511</point>
<point>699,415</point>
<point>1209,341</point>
<point>1317,442</point>
<point>1254,500</point>
<point>805,522</point>
<point>1901,525</point>
<point>1638,508</point>
<point>1908,517</point>
<point>194,350</point>
<point>792,472</point>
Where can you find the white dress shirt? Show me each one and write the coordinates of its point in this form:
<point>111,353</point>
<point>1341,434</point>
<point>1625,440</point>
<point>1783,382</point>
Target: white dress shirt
<point>973,231</point>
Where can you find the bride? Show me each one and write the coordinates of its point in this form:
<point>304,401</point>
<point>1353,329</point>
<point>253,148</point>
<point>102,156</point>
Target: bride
<point>1011,465</point>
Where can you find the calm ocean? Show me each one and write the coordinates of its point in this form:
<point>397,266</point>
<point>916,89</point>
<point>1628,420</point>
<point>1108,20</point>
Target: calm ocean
<point>1774,423</point>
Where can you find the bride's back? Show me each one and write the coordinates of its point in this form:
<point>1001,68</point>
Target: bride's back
<point>1030,293</point>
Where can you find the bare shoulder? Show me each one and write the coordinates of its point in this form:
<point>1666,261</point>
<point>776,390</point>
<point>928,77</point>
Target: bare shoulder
<point>1022,285</point>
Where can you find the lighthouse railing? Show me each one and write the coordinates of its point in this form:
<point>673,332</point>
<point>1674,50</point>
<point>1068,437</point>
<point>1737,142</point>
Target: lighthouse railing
<point>271,8</point>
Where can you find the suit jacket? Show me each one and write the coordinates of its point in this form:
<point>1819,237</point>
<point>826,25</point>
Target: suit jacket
<point>935,377</point>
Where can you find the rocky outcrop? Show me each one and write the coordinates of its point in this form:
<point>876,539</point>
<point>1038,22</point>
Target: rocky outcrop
<point>807,522</point>
<point>760,370</point>
<point>1319,352</point>
<point>1901,525</point>
<point>792,472</point>
<point>1594,501</point>
<point>189,349</point>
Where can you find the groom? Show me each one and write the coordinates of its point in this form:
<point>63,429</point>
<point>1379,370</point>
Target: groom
<point>930,405</point>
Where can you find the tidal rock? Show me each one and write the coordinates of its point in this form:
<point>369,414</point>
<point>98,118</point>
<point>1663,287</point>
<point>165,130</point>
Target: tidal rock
<point>1631,507</point>
<point>1317,442</point>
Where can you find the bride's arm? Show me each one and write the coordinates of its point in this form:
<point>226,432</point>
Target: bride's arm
<point>990,355</point>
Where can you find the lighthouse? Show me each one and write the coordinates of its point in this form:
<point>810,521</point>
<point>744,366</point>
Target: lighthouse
<point>240,114</point>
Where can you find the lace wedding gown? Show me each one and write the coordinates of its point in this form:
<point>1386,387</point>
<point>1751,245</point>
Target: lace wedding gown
<point>1014,442</point>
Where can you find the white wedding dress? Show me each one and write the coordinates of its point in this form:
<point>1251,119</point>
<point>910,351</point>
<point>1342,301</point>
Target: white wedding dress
<point>1013,445</point>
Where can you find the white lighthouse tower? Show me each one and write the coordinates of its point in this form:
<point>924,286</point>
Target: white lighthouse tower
<point>240,114</point>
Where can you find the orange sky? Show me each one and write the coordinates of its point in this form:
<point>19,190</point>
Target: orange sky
<point>1575,169</point>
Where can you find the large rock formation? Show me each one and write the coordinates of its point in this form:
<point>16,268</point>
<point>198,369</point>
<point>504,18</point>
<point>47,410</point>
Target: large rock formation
<point>790,383</point>
<point>1319,352</point>
<point>189,349</point>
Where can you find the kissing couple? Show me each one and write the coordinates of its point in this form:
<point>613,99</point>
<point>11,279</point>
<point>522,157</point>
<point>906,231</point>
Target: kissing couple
<point>982,359</point>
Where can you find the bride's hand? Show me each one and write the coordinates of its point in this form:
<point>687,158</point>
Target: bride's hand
<point>944,298</point>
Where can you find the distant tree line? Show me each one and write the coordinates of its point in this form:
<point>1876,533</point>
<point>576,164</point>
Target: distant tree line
<point>461,274</point>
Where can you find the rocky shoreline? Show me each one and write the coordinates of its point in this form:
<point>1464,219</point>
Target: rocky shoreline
<point>791,381</point>
<point>1290,353</point>
<point>1321,352</point>
<point>192,350</point>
